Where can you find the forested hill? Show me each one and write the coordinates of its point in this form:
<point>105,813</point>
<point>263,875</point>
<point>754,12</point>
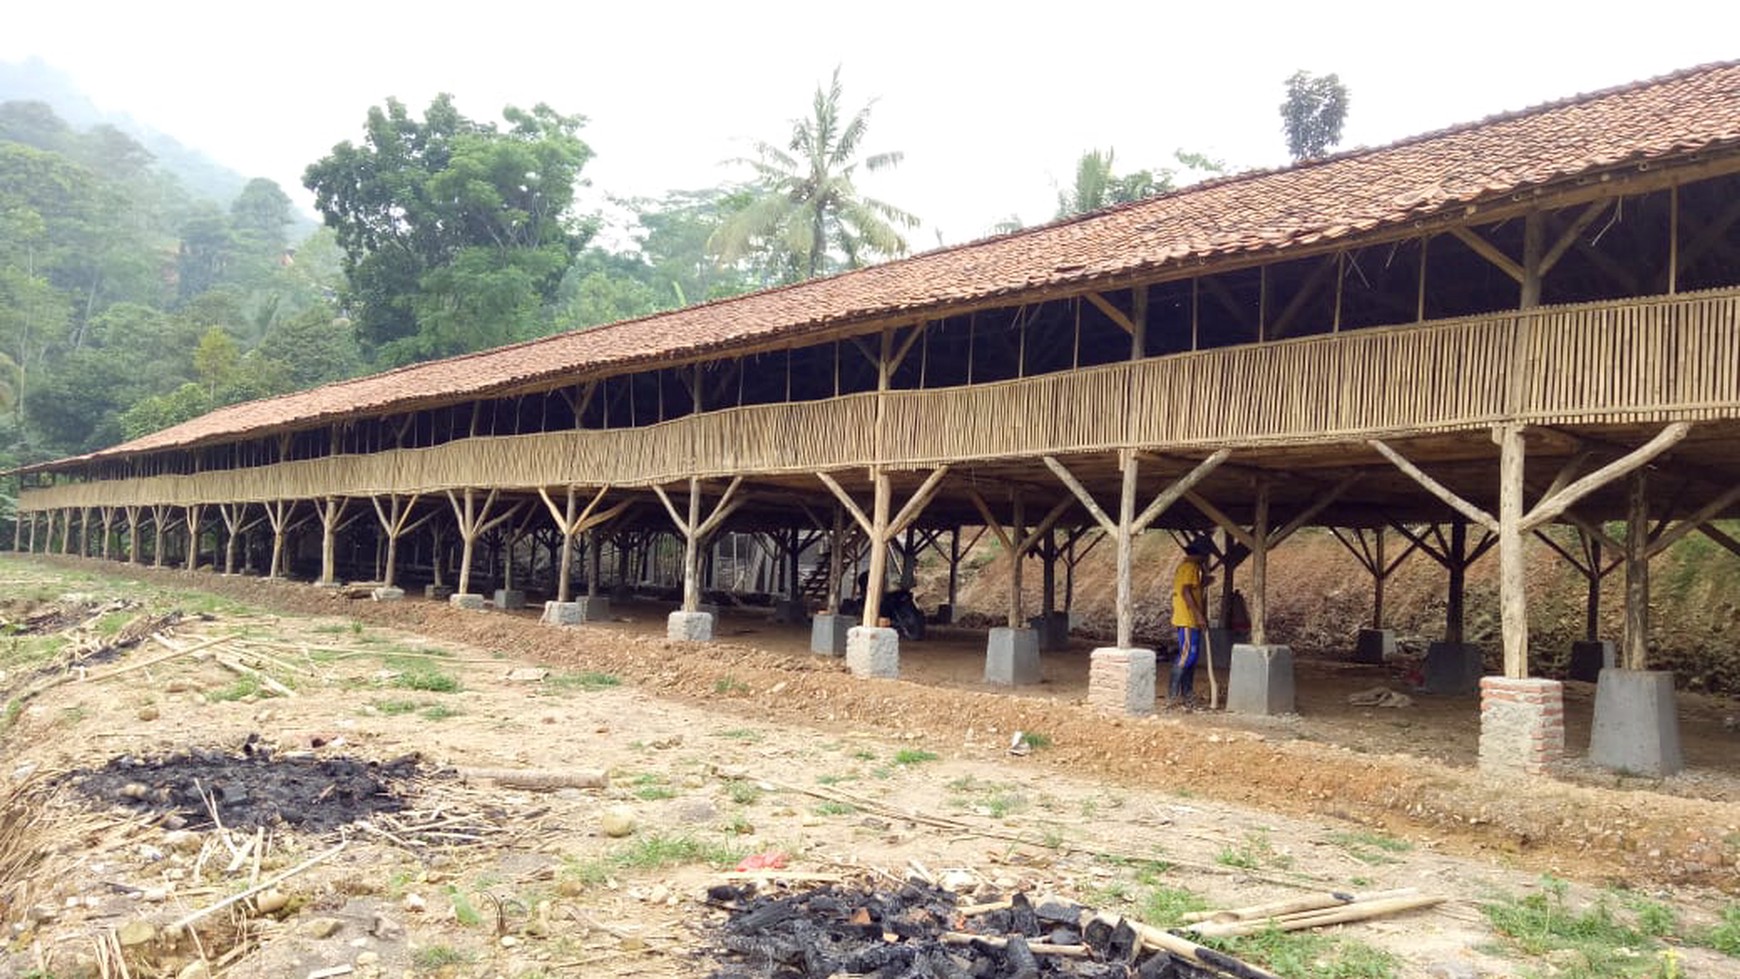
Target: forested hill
<point>127,301</point>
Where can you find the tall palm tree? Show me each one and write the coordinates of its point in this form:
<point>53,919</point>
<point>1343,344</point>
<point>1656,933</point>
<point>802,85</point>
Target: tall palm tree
<point>808,217</point>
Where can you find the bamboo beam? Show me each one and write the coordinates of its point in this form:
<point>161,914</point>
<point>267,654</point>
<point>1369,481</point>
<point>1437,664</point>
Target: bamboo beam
<point>1180,487</point>
<point>1434,487</point>
<point>1569,238</point>
<point>1550,508</point>
<point>1487,250</point>
<point>846,501</point>
<point>1112,312</point>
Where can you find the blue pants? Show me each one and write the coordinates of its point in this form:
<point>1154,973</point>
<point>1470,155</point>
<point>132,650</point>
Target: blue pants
<point>1183,681</point>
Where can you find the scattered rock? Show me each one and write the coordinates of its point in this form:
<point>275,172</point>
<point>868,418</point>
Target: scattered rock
<point>415,902</point>
<point>135,933</point>
<point>197,969</point>
<point>155,895</point>
<point>149,713</point>
<point>385,928</point>
<point>368,960</point>
<point>270,901</point>
<point>509,941</point>
<point>617,822</point>
<point>321,927</point>
<point>1452,970</point>
<point>182,840</point>
<point>658,894</point>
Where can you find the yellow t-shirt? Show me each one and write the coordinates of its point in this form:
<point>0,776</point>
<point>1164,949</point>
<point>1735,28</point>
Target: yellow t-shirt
<point>1189,573</point>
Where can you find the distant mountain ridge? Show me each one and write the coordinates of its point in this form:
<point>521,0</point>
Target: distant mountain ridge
<point>38,81</point>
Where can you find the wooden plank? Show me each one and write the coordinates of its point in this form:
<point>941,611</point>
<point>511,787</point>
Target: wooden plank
<point>1434,487</point>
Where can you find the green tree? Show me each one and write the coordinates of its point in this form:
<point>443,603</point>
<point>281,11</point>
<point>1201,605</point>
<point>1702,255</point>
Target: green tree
<point>312,347</point>
<point>1312,114</point>
<point>1098,185</point>
<point>455,233</point>
<point>215,359</point>
<point>807,217</point>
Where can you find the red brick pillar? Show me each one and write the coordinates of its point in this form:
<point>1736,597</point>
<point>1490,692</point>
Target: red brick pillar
<point>1522,724</point>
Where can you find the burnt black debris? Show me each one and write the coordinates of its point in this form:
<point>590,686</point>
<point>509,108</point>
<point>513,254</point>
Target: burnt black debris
<point>835,930</point>
<point>251,788</point>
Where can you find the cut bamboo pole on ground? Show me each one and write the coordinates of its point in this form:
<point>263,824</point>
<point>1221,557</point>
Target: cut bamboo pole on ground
<point>539,778</point>
<point>1292,906</point>
<point>1357,911</point>
<point>1155,938</point>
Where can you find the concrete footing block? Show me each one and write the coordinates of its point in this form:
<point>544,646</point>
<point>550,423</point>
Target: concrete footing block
<point>1522,724</point>
<point>388,594</point>
<point>1012,656</point>
<point>1374,646</point>
<point>439,593</point>
<point>1122,680</point>
<point>945,614</point>
<point>561,613</point>
<point>510,598</point>
<point>1453,668</point>
<point>828,633</point>
<point>465,600</point>
<point>873,651</point>
<point>689,627</point>
<point>1260,680</point>
<point>1052,630</point>
<point>1637,723</point>
<point>593,608</point>
<point>1588,659</point>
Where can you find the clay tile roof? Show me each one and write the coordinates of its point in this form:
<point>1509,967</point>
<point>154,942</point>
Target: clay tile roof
<point>1692,110</point>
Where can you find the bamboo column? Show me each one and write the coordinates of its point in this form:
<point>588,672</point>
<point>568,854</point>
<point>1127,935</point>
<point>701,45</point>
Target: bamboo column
<point>395,522</point>
<point>1373,555</point>
<point>1130,523</point>
<point>1019,541</point>
<point>191,515</point>
<point>132,535</point>
<point>159,514</point>
<point>66,531</point>
<point>696,531</point>
<point>84,531</point>
<point>474,522</point>
<point>836,558</point>
<point>234,517</point>
<point>1635,654</point>
<point>569,524</point>
<point>437,552</point>
<point>880,528</point>
<point>594,561</point>
<point>1513,600</point>
<point>279,514</point>
<point>32,549</point>
<point>330,510</point>
<point>108,516</point>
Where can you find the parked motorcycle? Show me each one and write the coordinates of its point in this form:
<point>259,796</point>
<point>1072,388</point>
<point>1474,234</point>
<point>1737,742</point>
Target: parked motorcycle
<point>898,607</point>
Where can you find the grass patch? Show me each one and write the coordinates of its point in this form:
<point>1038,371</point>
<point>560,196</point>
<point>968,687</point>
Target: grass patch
<point>729,685</point>
<point>653,853</point>
<point>464,911</point>
<point>1034,739</point>
<point>425,678</point>
<point>393,708</point>
<point>914,756</point>
<point>1725,936</point>
<point>1306,955</point>
<point>109,625</point>
<point>652,787</point>
<point>582,682</point>
<point>835,779</point>
<point>439,712</point>
<point>1254,852</point>
<point>744,792</point>
<point>243,687</point>
<point>1371,848</point>
<point>1594,941</point>
<point>744,734</point>
<point>864,755</point>
<point>1164,905</point>
<point>835,809</point>
<point>432,957</point>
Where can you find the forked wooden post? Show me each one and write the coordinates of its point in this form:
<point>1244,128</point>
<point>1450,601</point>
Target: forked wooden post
<point>192,514</point>
<point>570,523</point>
<point>132,534</point>
<point>473,523</point>
<point>159,517</point>
<point>696,531</point>
<point>108,516</point>
<point>879,528</point>
<point>396,521</point>
<point>331,511</point>
<point>1636,639</point>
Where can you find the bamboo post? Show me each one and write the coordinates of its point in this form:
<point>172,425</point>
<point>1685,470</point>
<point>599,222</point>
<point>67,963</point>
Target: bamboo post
<point>108,517</point>
<point>437,553</point>
<point>594,561</point>
<point>1126,546</point>
<point>159,514</point>
<point>1454,618</point>
<point>331,510</point>
<point>1513,601</point>
<point>954,567</point>
<point>132,534</point>
<point>1592,604</point>
<point>1017,530</point>
<point>1636,638</point>
<point>192,514</point>
<point>692,550</point>
<point>1259,604</point>
<point>564,575</point>
<point>836,557</point>
<point>473,523</point>
<point>84,531</point>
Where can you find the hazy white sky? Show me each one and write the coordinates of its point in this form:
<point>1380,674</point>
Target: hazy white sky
<point>992,103</point>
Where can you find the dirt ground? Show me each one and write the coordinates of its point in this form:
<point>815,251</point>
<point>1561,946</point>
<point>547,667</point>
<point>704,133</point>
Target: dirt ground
<point>751,745</point>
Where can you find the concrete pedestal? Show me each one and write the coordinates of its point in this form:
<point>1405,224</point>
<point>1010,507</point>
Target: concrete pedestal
<point>790,613</point>
<point>1588,659</point>
<point>439,593</point>
<point>593,608</point>
<point>1374,646</point>
<point>1122,680</point>
<point>945,614</point>
<point>561,613</point>
<point>828,633</point>
<point>331,585</point>
<point>388,594</point>
<point>1012,656</point>
<point>1260,681</point>
<point>510,598</point>
<point>466,601</point>
<point>873,652</point>
<point>689,627</point>
<point>1522,724</point>
<point>1053,631</point>
<point>1453,668</point>
<point>1637,723</point>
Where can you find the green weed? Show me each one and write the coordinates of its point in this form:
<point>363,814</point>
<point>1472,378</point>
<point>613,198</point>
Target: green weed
<point>432,957</point>
<point>584,681</point>
<point>729,685</point>
<point>1725,936</point>
<point>914,756</point>
<point>439,712</point>
<point>243,687</point>
<point>744,792</point>
<point>393,708</point>
<point>427,679</point>
<point>1165,905</point>
<point>1307,955</point>
<point>1369,847</point>
<point>744,734</point>
<point>835,809</point>
<point>463,910</point>
<point>1587,943</point>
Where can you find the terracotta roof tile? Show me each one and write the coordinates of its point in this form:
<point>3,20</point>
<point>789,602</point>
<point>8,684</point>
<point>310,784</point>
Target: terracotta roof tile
<point>1270,211</point>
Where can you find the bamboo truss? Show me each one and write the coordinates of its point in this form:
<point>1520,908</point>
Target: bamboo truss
<point>1657,359</point>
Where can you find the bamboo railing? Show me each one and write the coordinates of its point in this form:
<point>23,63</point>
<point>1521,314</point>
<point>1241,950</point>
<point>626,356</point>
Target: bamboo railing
<point>1645,360</point>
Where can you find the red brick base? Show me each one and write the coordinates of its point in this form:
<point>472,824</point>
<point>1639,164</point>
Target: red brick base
<point>1522,724</point>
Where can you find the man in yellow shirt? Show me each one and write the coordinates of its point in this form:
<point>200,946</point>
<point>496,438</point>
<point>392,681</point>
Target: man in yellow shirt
<point>1189,617</point>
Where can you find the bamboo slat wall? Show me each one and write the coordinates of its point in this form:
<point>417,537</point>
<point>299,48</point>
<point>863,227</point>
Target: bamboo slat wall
<point>1656,359</point>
